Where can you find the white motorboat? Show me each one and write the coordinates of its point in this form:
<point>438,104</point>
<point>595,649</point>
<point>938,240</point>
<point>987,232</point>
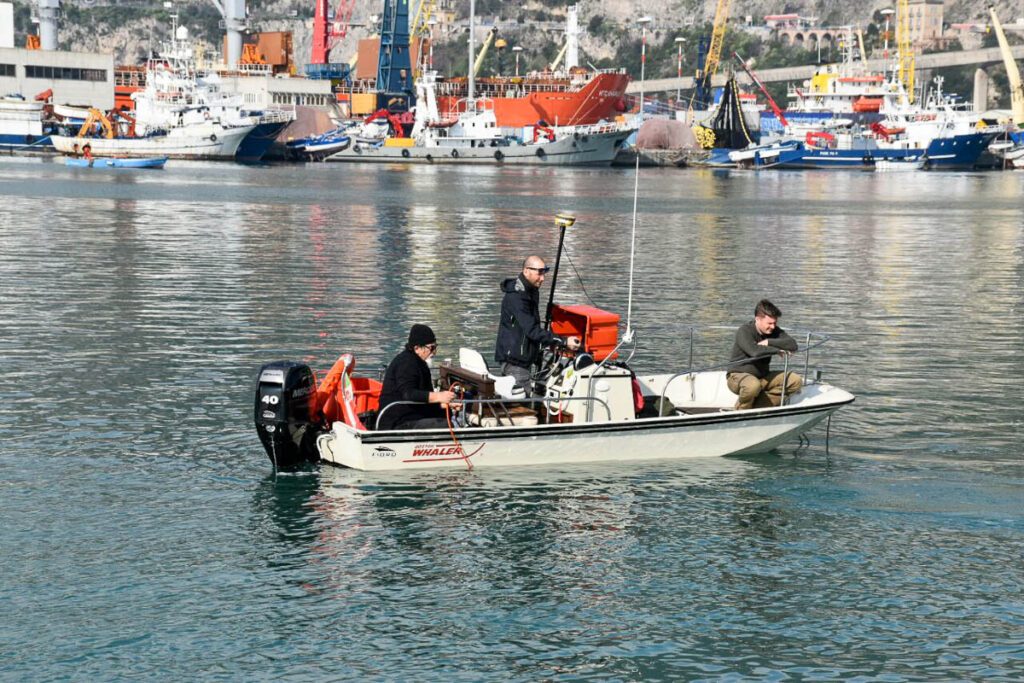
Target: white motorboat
<point>596,406</point>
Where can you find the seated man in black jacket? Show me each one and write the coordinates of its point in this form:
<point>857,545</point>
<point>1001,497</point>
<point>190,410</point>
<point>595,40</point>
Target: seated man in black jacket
<point>520,333</point>
<point>756,342</point>
<point>408,379</point>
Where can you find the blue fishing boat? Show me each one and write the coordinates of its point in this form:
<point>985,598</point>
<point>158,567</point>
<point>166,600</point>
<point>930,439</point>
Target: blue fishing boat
<point>80,162</point>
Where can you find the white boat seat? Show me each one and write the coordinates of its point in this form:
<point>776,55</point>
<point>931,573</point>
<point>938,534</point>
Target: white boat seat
<point>504,386</point>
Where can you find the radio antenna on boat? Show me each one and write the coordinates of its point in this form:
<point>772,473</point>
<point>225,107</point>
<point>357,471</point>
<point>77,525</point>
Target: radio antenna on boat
<point>643,21</point>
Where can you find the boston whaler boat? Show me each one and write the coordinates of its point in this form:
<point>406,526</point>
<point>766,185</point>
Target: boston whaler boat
<point>589,407</point>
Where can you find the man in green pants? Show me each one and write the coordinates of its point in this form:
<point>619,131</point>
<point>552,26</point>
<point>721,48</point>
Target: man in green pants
<point>756,343</point>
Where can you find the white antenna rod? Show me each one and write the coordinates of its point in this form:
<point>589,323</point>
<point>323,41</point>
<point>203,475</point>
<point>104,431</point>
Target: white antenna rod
<point>643,21</point>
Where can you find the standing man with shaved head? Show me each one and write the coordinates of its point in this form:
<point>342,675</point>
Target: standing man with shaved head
<point>520,333</point>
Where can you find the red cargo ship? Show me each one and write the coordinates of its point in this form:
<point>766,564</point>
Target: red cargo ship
<point>577,98</point>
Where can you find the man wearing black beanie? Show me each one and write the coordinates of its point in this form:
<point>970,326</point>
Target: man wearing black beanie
<point>408,379</point>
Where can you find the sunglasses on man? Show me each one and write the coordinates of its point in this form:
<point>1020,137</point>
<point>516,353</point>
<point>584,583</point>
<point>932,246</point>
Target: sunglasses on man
<point>542,271</point>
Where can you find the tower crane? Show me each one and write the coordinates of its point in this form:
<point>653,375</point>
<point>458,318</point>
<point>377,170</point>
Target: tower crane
<point>707,69</point>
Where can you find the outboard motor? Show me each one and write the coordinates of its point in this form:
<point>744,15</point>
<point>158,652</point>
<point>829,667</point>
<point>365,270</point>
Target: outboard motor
<point>285,399</point>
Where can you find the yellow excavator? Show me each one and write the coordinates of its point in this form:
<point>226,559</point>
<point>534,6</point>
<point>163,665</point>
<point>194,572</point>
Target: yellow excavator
<point>96,116</point>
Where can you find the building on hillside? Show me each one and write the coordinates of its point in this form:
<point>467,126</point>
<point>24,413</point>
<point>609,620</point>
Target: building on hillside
<point>926,24</point>
<point>789,21</point>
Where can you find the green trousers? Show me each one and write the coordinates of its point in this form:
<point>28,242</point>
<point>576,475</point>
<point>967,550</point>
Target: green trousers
<point>761,393</point>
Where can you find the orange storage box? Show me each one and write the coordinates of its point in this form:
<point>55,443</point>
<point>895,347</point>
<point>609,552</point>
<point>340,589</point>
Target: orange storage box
<point>598,329</point>
<point>367,393</point>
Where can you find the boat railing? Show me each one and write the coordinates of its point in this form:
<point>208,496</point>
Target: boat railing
<point>504,403</point>
<point>811,340</point>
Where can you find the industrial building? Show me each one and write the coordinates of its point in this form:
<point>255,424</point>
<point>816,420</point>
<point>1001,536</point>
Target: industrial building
<point>78,78</point>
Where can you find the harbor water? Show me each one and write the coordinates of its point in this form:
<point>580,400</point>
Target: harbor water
<point>145,535</point>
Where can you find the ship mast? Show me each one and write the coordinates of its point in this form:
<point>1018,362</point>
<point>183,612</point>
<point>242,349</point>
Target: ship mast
<point>472,48</point>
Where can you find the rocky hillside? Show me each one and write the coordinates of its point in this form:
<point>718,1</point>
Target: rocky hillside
<point>129,30</point>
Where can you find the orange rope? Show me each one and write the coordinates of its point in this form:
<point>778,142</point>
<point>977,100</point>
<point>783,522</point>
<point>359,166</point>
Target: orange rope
<point>451,430</point>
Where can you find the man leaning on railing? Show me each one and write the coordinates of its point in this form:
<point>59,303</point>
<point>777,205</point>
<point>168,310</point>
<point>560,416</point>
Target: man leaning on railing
<point>756,342</point>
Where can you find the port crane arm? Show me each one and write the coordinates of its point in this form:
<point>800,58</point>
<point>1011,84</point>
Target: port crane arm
<point>1012,72</point>
<point>757,81</point>
<point>483,50</point>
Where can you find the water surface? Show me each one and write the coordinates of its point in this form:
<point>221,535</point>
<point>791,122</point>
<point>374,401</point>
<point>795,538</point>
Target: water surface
<point>146,535</point>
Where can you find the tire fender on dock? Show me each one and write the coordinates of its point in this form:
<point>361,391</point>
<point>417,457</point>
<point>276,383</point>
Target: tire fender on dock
<point>498,156</point>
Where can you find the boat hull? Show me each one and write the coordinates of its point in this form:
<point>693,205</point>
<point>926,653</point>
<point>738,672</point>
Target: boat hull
<point>208,142</point>
<point>556,103</point>
<point>255,145</point>
<point>22,127</point>
<point>596,149</point>
<point>155,162</point>
<point>712,434</point>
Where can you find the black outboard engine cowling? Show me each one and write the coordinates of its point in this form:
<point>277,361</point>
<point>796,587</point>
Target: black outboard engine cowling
<point>285,393</point>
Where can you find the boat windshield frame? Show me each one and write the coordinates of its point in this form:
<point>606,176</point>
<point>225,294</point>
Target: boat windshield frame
<point>502,402</point>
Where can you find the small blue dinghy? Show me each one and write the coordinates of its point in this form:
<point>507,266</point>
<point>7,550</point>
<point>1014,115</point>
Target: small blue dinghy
<point>152,162</point>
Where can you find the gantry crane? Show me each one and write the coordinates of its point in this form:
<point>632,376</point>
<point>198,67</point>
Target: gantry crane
<point>394,65</point>
<point>709,66</point>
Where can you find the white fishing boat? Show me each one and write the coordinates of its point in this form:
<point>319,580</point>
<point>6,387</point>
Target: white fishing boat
<point>474,137</point>
<point>207,140</point>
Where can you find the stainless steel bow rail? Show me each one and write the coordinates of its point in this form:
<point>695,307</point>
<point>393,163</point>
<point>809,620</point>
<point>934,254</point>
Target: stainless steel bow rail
<point>812,340</point>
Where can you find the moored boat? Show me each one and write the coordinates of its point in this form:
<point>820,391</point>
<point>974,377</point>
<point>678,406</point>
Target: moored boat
<point>23,125</point>
<point>570,99</point>
<point>117,162</point>
<point>208,140</point>
<point>473,136</point>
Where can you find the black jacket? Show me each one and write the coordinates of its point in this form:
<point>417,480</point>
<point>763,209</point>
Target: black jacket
<point>760,357</point>
<point>407,379</point>
<point>520,335</point>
